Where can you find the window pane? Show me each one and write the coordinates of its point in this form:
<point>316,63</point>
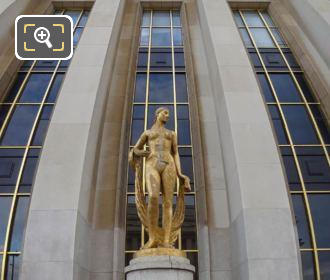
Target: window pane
<point>144,39</point>
<point>285,88</point>
<point>45,65</point>
<point>291,60</point>
<point>161,87</point>
<point>13,265</point>
<point>273,60</point>
<point>320,208</point>
<point>322,125</point>
<point>161,18</point>
<point>307,260</point>
<point>278,37</point>
<point>238,19</point>
<point>186,163</point>
<point>177,37</point>
<point>161,59</point>
<point>20,216</point>
<point>189,235</point>
<point>76,35</point>
<point>3,113</point>
<point>146,18</point>
<point>304,87</point>
<point>74,15</point>
<point>42,126</point>
<point>17,84</point>
<point>29,171</point>
<point>255,60</point>
<point>301,221</point>
<point>252,18</point>
<point>5,205</point>
<point>183,125</point>
<point>181,87</point>
<point>179,59</point>
<point>161,37</point>
<point>176,19</point>
<point>262,38</point>
<point>299,124</point>
<point>267,19</point>
<point>133,225</point>
<point>10,163</point>
<point>35,88</point>
<point>19,127</point>
<point>324,261</point>
<point>142,62</point>
<point>246,38</point>
<point>278,125</point>
<point>266,90</point>
<point>151,116</point>
<point>140,87</point>
<point>57,82</point>
<point>290,169</point>
<point>136,130</point>
<point>314,167</point>
<point>83,19</point>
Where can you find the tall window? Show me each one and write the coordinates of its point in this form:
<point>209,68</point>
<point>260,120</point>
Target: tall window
<point>161,81</point>
<point>302,136</point>
<point>25,112</point>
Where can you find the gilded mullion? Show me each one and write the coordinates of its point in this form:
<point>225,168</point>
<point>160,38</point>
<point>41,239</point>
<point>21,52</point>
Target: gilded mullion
<point>146,113</point>
<point>299,89</point>
<point>5,123</point>
<point>310,192</point>
<point>27,103</point>
<point>20,174</point>
<point>293,103</point>
<point>310,220</point>
<point>175,110</point>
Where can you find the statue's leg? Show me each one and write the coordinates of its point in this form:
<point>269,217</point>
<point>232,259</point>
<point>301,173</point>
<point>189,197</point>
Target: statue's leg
<point>168,180</point>
<point>153,187</point>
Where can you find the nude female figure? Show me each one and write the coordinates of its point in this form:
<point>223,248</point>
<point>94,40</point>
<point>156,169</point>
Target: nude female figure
<point>162,169</point>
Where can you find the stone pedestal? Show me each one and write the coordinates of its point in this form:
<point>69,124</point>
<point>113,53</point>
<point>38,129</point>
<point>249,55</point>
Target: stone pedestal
<point>160,268</point>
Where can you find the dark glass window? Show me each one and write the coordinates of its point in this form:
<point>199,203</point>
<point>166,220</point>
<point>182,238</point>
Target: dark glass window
<point>304,87</point>
<point>273,59</point>
<point>181,87</point>
<point>161,36</point>
<point>278,124</point>
<point>35,88</point>
<point>76,35</point>
<point>5,204</point>
<point>161,87</point>
<point>140,87</point>
<point>324,260</point>
<point>16,86</point>
<point>301,221</point>
<point>290,169</point>
<point>45,65</point>
<point>55,88</point>
<point>10,163</point>
<point>19,127</point>
<point>266,90</point>
<point>177,37</point>
<point>320,208</point>
<point>300,125</point>
<point>285,88</point>
<point>307,260</point>
<point>42,126</point>
<point>29,170</point>
<point>161,18</point>
<point>321,123</point>
<point>161,59</point>
<point>183,125</point>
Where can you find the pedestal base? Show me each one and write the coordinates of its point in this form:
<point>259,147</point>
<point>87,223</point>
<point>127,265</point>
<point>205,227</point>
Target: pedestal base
<point>160,268</point>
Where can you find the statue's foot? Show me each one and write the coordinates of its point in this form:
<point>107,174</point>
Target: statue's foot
<point>150,244</point>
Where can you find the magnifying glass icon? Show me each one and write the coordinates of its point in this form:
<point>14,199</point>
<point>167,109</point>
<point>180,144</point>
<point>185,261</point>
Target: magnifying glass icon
<point>41,35</point>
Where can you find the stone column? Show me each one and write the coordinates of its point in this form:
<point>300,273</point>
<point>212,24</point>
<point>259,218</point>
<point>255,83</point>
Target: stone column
<point>263,240</point>
<point>58,228</point>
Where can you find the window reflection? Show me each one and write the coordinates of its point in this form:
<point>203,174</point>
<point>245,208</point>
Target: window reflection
<point>161,87</point>
<point>35,88</point>
<point>161,37</point>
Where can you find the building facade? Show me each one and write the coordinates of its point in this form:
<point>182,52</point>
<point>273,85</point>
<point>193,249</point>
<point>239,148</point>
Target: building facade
<point>247,84</point>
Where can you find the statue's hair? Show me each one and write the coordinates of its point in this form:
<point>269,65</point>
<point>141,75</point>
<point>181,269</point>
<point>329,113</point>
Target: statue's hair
<point>160,109</point>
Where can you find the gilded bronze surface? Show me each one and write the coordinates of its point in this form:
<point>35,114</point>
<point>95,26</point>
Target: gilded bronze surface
<point>162,169</point>
<point>160,252</point>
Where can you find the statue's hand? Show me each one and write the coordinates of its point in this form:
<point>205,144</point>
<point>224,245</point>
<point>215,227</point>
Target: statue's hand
<point>141,153</point>
<point>185,181</point>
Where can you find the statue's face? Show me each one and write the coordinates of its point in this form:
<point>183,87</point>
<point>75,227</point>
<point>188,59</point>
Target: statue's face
<point>163,116</point>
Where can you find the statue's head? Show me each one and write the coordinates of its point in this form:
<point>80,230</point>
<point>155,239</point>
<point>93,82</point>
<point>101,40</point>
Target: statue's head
<point>162,114</point>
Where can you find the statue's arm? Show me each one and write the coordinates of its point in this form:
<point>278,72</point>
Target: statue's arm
<point>138,148</point>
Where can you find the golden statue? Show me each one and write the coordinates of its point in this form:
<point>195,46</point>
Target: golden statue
<point>162,168</point>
